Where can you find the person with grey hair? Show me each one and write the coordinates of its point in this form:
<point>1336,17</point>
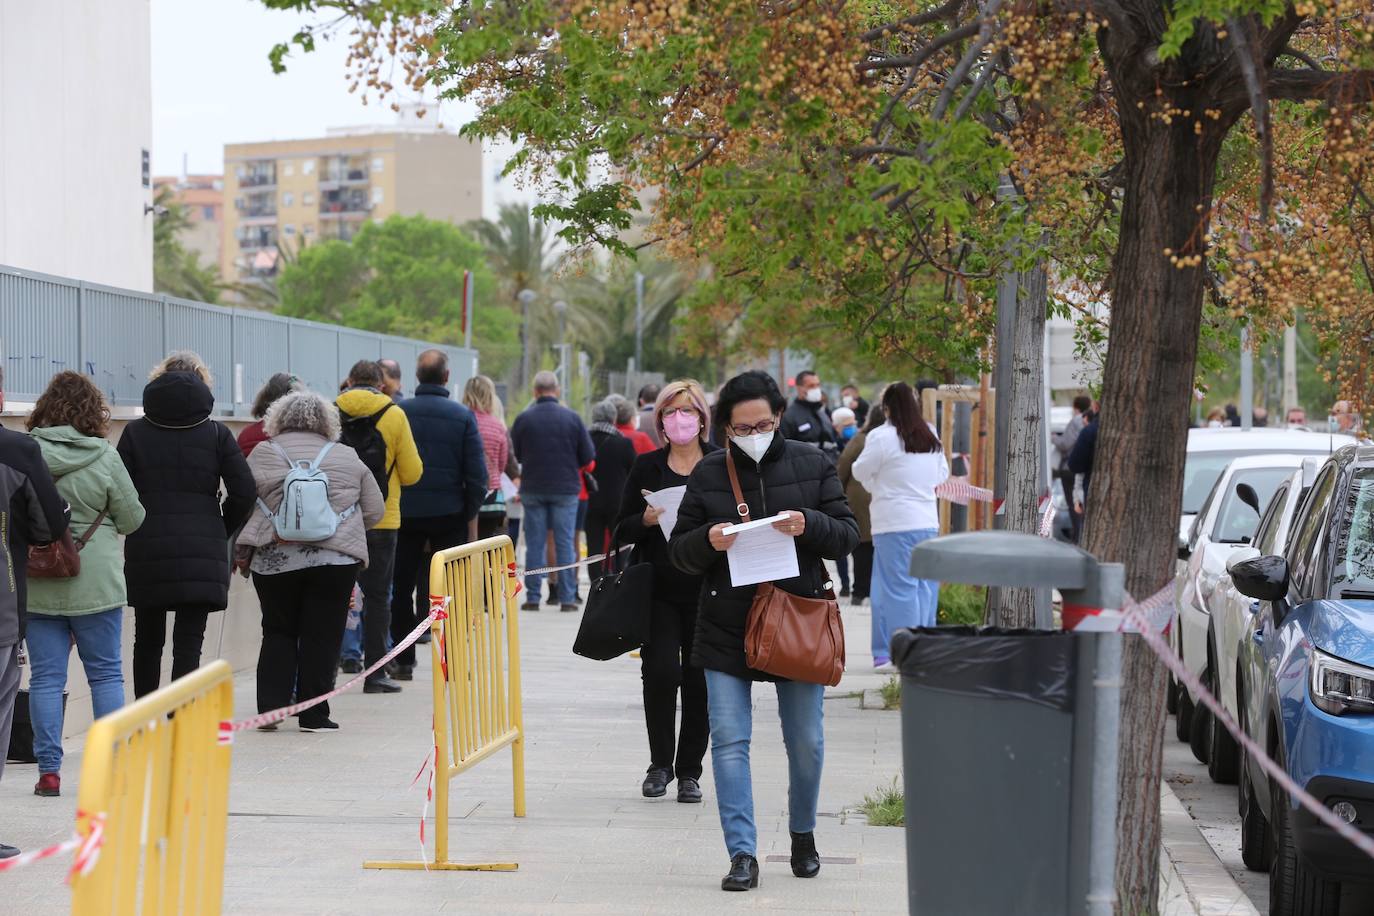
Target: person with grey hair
<point>304,587</point>
<point>553,447</point>
<point>625,422</point>
<point>615,455</point>
<point>391,378</point>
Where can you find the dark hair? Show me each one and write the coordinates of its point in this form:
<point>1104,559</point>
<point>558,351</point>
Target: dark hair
<point>390,367</point>
<point>876,417</point>
<point>365,374</point>
<point>72,400</point>
<point>904,412</point>
<point>279,385</point>
<point>649,393</point>
<point>748,386</point>
<point>803,376</point>
<point>1082,403</point>
<point>432,368</point>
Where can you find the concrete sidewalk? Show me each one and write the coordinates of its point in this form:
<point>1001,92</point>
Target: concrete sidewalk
<point>306,810</point>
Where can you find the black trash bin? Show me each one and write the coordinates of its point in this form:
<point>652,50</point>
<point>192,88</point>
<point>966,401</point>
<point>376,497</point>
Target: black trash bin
<point>988,749</point>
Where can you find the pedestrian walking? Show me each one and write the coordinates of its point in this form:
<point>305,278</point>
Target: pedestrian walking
<point>440,510</point>
<point>775,475</point>
<point>1063,446</point>
<point>70,421</point>
<point>552,447</point>
<point>35,514</point>
<point>806,419</point>
<point>303,585</point>
<point>850,397</point>
<point>842,418</point>
<point>667,667</point>
<point>859,502</point>
<point>615,456</point>
<point>479,395</point>
<point>378,431</point>
<point>177,562</point>
<point>900,466</point>
<point>279,385</point>
<point>1081,464</point>
<point>648,401</point>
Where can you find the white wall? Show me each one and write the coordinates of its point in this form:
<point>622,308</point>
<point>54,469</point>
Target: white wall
<point>75,116</point>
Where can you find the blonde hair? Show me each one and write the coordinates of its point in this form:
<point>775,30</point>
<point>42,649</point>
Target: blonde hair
<point>183,361</point>
<point>692,388</point>
<point>480,394</point>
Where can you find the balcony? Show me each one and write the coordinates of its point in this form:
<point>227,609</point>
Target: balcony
<point>258,180</point>
<point>341,204</point>
<point>343,171</point>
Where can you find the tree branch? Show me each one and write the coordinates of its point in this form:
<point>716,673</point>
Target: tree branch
<point>948,10</point>
<point>1259,107</point>
<point>915,60</point>
<point>1351,86</point>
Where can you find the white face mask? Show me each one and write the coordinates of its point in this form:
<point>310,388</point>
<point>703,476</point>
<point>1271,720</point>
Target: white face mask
<point>755,446</point>
<point>850,402</point>
<point>814,395</point>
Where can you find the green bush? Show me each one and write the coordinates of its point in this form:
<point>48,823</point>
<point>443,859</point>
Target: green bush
<point>961,605</point>
<point>886,807</point>
<point>892,693</point>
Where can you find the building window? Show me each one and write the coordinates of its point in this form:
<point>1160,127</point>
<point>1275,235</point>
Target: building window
<point>308,167</point>
<point>288,230</point>
<point>377,163</point>
<point>377,195</point>
<point>308,230</point>
<point>287,198</point>
<point>288,170</point>
<point>207,214</point>
<point>308,198</point>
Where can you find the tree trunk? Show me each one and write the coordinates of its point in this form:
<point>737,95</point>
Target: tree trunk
<point>1023,445</point>
<point>1137,480</point>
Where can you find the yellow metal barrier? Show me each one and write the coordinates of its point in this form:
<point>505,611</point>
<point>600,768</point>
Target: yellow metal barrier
<point>158,775</point>
<point>475,655</point>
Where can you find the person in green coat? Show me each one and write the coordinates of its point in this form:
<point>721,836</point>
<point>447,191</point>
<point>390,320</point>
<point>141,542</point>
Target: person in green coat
<point>70,422</point>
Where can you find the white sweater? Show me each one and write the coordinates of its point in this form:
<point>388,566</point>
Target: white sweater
<point>901,483</point>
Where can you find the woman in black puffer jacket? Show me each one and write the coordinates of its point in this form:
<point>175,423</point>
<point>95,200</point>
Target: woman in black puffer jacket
<point>179,559</point>
<point>775,475</point>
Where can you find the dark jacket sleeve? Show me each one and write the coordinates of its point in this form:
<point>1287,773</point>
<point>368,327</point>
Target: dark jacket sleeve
<point>831,530</point>
<point>474,471</point>
<point>240,490</point>
<point>512,469</point>
<point>586,453</point>
<point>517,439</point>
<point>1081,458</point>
<point>690,546</point>
<point>48,513</point>
<point>630,525</point>
<point>789,427</point>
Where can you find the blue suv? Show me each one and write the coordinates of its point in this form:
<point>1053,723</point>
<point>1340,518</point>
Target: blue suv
<point>1306,690</point>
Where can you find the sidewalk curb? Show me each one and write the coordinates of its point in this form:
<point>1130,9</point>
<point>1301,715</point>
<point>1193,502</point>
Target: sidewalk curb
<point>1192,880</point>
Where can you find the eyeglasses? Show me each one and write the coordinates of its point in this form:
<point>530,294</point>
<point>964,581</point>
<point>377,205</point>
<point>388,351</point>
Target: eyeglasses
<point>763,426</point>
<point>674,411</point>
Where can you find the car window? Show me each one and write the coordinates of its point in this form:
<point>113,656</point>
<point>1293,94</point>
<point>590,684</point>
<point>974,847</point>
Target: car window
<point>1267,532</point>
<point>1195,530</point>
<point>1200,473</point>
<point>1236,522</point>
<point>1309,523</point>
<point>1354,549</point>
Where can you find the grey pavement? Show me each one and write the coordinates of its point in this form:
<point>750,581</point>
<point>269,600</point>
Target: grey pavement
<point>307,810</point>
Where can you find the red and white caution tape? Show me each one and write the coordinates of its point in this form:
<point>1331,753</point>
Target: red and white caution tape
<point>438,610</point>
<point>959,490</point>
<point>430,761</point>
<point>544,570</point>
<point>87,849</point>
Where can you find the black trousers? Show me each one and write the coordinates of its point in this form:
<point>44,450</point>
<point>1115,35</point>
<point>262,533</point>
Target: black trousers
<point>1075,519</point>
<point>303,617</point>
<point>150,635</point>
<point>419,540</point>
<point>489,526</point>
<point>599,527</point>
<point>375,582</point>
<point>863,569</point>
<point>665,666</point>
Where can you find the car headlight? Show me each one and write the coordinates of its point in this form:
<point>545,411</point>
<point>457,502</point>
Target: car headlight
<point>1338,686</point>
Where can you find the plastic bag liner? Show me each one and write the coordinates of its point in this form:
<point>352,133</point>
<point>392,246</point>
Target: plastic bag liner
<point>1035,666</point>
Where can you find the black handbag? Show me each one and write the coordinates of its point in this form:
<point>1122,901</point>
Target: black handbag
<point>616,618</point>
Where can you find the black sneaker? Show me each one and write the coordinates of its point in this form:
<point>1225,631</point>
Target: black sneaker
<point>744,874</point>
<point>656,782</point>
<point>351,666</point>
<point>688,791</point>
<point>844,591</point>
<point>320,725</point>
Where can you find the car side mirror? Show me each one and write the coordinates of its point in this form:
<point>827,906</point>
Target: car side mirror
<point>1242,555</point>
<point>1248,496</point>
<point>1265,578</point>
<point>1183,550</point>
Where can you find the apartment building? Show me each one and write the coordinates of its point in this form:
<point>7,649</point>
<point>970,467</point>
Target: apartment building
<point>202,196</point>
<point>282,195</point>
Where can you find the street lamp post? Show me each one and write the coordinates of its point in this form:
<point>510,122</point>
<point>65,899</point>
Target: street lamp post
<point>526,297</point>
<point>560,308</point>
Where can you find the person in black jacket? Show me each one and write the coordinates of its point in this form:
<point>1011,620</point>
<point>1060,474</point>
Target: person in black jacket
<point>807,420</point>
<point>615,455</point>
<point>31,512</point>
<point>775,475</point>
<point>178,561</point>
<point>666,663</point>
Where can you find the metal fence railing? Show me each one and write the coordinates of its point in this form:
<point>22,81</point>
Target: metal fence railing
<point>49,323</point>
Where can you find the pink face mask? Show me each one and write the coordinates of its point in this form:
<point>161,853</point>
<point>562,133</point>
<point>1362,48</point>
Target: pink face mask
<point>681,428</point>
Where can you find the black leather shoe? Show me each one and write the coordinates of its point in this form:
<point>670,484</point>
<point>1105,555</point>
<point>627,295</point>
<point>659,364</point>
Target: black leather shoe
<point>8,852</point>
<point>656,783</point>
<point>844,591</point>
<point>806,862</point>
<point>688,791</point>
<point>381,684</point>
<point>403,673</point>
<point>744,874</point>
<point>351,666</point>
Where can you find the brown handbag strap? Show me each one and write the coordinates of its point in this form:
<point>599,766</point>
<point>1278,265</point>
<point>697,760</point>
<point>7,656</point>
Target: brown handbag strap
<point>741,506</point>
<point>90,532</point>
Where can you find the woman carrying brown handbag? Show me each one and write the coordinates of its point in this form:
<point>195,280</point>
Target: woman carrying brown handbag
<point>774,476</point>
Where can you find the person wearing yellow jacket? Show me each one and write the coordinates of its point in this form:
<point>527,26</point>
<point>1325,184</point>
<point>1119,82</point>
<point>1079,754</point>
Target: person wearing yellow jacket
<point>380,433</point>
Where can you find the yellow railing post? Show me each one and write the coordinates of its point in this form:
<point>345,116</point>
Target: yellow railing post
<point>475,661</point>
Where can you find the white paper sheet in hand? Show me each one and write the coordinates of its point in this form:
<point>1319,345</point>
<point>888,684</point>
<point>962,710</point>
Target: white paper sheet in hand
<point>667,500</point>
<point>761,553</point>
<point>508,488</point>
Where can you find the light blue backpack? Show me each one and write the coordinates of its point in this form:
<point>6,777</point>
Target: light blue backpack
<point>305,514</point>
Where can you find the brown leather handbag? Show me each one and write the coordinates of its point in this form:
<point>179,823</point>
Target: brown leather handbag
<point>801,639</point>
<point>62,558</point>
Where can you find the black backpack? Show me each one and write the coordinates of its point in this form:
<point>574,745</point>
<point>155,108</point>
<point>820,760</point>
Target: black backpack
<point>362,435</point>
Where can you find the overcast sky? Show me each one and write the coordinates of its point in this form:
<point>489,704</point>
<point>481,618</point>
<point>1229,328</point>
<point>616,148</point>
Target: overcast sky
<point>212,85</point>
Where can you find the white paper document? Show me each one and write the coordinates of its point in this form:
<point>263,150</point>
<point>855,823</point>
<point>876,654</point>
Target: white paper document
<point>667,501</point>
<point>761,553</point>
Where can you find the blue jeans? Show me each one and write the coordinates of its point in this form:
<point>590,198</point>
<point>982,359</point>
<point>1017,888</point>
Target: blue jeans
<point>542,513</point>
<point>50,642</point>
<point>899,598</point>
<point>731,708</point>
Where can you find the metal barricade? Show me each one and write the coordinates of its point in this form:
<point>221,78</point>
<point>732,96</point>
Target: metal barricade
<point>155,779</point>
<point>475,654</point>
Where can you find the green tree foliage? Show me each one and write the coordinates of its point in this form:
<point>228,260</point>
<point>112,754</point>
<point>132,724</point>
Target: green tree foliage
<point>404,277</point>
<point>177,270</point>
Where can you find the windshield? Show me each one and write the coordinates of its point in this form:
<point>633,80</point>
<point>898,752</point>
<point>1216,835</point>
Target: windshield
<point>1236,522</point>
<point>1201,470</point>
<point>1354,554</point>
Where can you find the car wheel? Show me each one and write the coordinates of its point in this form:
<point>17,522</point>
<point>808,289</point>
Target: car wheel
<point>1183,719</point>
<point>1294,889</point>
<point>1171,697</point>
<point>1200,726</point>
<point>1223,753</point>
<point>1256,838</point>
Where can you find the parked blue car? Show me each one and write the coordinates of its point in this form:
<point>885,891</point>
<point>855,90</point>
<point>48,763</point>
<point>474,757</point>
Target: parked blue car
<point>1306,674</point>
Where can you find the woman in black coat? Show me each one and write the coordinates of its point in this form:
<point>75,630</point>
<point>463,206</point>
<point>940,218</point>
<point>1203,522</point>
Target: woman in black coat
<point>775,476</point>
<point>666,665</point>
<point>615,455</point>
<point>179,559</point>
